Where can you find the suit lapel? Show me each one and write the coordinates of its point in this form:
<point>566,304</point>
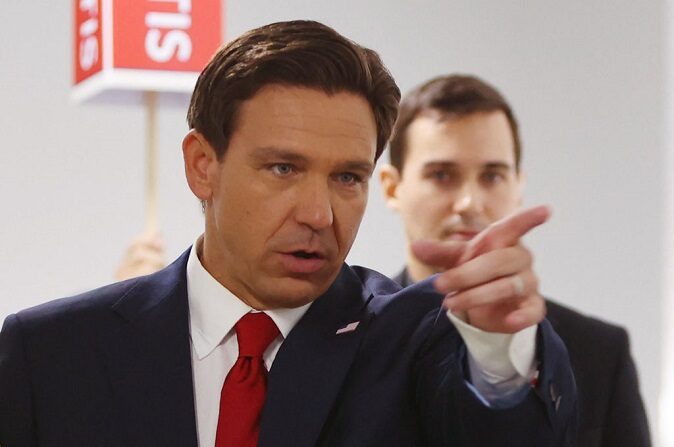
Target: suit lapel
<point>403,278</point>
<point>150,362</point>
<point>314,357</point>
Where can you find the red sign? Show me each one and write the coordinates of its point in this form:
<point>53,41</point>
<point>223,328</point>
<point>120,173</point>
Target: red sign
<point>159,45</point>
<point>88,42</point>
<point>165,35</point>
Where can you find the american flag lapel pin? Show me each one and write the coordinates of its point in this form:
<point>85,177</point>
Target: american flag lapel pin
<point>348,328</point>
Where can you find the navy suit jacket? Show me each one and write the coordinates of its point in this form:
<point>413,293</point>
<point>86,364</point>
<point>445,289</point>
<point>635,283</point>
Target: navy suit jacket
<point>610,410</point>
<point>112,367</point>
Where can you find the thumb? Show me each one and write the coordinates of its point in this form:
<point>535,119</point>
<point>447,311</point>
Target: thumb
<point>439,253</point>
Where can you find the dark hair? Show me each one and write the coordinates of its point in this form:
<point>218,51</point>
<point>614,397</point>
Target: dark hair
<point>453,96</point>
<point>297,53</point>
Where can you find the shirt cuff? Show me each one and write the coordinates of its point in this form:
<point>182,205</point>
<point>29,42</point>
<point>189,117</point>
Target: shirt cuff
<point>498,357</point>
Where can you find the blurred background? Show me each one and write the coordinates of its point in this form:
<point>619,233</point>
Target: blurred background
<point>590,82</point>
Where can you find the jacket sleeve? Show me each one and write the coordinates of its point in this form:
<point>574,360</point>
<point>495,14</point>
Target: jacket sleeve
<point>16,403</point>
<point>450,413</point>
<point>626,423</point>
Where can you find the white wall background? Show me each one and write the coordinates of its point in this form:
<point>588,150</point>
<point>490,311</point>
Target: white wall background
<point>586,78</point>
<point>666,404</point>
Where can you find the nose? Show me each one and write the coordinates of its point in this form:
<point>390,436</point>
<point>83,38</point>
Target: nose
<point>469,200</point>
<point>314,207</point>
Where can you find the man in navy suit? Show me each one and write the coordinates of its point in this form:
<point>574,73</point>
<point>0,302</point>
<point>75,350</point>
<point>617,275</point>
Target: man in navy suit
<point>455,168</point>
<point>287,122</point>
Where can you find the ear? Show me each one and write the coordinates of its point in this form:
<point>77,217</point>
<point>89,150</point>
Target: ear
<point>389,177</point>
<point>521,183</point>
<point>200,164</point>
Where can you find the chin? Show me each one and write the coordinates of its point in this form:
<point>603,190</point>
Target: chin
<point>292,292</point>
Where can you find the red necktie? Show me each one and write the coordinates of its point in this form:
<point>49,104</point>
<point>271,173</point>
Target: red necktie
<point>244,390</point>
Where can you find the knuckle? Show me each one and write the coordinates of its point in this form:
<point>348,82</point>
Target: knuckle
<point>459,301</point>
<point>534,282</point>
<point>466,299</point>
<point>457,278</point>
<point>523,253</point>
<point>488,240</point>
<point>506,288</point>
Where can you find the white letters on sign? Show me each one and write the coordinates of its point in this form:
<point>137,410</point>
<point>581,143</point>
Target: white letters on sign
<point>166,36</point>
<point>87,32</point>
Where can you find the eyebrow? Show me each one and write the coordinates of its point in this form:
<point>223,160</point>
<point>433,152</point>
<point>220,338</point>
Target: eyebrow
<point>498,165</point>
<point>274,153</point>
<point>450,164</point>
<point>362,166</point>
<point>270,152</point>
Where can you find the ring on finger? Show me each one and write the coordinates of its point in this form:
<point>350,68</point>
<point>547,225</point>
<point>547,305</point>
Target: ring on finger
<point>518,285</point>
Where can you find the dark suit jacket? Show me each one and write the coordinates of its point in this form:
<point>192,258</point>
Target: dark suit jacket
<point>611,413</point>
<point>112,368</point>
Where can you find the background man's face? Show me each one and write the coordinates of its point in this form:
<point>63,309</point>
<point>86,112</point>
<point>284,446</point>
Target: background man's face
<point>458,177</point>
<point>289,194</point>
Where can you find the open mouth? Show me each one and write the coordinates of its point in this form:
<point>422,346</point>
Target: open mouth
<point>305,255</point>
<point>303,262</point>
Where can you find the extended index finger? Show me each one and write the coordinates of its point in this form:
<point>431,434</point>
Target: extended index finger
<point>506,232</point>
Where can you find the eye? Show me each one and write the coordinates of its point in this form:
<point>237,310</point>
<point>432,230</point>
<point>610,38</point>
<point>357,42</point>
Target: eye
<point>349,178</point>
<point>441,176</point>
<point>282,169</point>
<point>492,177</point>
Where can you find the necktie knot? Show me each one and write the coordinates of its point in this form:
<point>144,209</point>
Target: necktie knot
<point>254,332</point>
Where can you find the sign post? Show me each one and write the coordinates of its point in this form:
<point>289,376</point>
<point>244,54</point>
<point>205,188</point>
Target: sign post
<point>148,46</point>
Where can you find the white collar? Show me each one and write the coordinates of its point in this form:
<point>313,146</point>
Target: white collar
<point>214,310</point>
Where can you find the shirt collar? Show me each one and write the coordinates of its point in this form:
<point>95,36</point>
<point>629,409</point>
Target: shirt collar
<point>214,310</point>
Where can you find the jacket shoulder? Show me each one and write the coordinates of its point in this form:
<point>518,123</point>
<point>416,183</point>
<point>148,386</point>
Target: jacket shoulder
<point>105,304</point>
<point>571,323</point>
<point>85,304</point>
<point>383,290</point>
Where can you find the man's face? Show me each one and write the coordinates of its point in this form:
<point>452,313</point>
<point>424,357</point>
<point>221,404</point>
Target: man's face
<point>288,196</point>
<point>458,177</point>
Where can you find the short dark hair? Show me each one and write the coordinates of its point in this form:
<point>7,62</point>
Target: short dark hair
<point>296,53</point>
<point>453,96</point>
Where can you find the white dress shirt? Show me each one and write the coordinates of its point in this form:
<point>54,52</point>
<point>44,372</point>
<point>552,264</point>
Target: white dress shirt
<point>214,311</point>
<point>494,359</point>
